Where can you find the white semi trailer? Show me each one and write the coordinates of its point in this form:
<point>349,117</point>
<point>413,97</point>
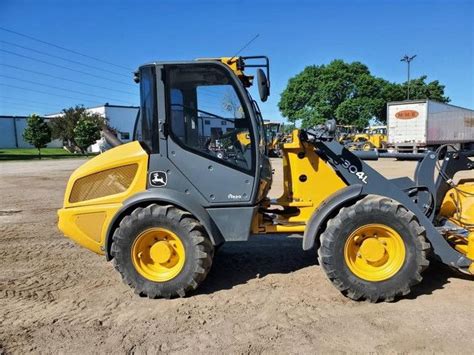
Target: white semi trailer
<point>420,125</point>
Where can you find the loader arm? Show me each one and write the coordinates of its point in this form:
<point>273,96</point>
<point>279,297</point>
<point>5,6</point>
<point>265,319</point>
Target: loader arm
<point>354,171</point>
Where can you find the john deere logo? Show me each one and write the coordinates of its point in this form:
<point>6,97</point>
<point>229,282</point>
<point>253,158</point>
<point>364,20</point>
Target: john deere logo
<point>406,114</point>
<point>158,178</point>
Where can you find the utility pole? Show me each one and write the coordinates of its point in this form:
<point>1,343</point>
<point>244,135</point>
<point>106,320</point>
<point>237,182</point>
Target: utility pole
<point>408,59</point>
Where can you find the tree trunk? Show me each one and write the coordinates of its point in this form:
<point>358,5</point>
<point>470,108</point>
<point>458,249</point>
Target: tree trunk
<point>39,153</point>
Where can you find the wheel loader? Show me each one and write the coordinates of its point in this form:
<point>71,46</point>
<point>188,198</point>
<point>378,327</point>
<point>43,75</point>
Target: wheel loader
<point>374,137</point>
<point>273,136</point>
<point>345,133</point>
<point>159,207</point>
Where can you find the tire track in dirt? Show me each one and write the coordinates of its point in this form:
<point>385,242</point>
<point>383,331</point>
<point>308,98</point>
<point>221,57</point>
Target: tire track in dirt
<point>262,296</point>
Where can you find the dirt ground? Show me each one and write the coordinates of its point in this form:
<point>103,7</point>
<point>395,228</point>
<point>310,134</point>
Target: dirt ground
<point>264,296</point>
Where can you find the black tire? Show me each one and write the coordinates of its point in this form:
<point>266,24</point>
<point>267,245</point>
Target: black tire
<point>199,250</point>
<point>380,210</point>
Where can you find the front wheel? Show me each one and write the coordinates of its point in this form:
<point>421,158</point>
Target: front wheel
<point>161,251</point>
<point>374,250</point>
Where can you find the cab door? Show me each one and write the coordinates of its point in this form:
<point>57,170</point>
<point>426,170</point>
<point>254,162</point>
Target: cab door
<point>210,136</point>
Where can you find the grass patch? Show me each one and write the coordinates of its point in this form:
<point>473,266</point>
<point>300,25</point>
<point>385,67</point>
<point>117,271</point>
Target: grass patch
<point>32,153</point>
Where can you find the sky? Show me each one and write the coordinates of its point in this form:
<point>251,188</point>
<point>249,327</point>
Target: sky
<point>293,34</point>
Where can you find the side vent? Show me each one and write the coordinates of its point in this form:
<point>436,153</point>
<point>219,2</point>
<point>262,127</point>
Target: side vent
<point>104,183</point>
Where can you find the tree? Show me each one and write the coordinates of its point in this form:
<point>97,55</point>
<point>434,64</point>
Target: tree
<point>37,132</point>
<point>63,126</point>
<point>232,104</point>
<point>347,92</point>
<point>419,89</point>
<point>86,132</point>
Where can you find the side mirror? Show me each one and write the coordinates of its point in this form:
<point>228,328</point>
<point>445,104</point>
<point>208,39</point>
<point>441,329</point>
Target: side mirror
<point>263,85</point>
<point>136,76</point>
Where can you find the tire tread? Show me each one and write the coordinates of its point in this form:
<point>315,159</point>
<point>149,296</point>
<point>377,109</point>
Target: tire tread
<point>201,243</point>
<point>333,231</point>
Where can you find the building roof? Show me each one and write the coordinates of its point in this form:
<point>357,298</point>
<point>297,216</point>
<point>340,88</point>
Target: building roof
<point>104,105</point>
<point>109,105</point>
<point>13,116</point>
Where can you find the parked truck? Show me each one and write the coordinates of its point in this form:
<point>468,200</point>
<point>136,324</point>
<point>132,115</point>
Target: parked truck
<point>420,125</point>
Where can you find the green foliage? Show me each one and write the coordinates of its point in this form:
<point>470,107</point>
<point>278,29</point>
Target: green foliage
<point>287,128</point>
<point>349,93</point>
<point>37,132</point>
<point>419,89</point>
<point>64,126</point>
<point>86,132</point>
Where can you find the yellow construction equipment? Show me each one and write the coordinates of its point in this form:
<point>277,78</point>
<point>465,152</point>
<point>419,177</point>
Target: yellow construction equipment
<point>273,136</point>
<point>158,207</point>
<point>374,137</point>
<point>345,133</point>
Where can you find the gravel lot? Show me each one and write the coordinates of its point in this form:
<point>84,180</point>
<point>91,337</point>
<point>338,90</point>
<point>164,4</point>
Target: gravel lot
<point>263,296</point>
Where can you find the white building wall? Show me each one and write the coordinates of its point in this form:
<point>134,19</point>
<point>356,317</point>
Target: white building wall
<point>7,138</point>
<point>11,136</point>
<point>211,123</point>
<point>120,118</point>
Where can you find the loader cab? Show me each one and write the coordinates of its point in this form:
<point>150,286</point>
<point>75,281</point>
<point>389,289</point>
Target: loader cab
<point>201,117</point>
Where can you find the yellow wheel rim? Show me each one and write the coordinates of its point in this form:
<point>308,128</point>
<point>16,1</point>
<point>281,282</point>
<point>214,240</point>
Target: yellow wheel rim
<point>367,147</point>
<point>374,252</point>
<point>158,254</point>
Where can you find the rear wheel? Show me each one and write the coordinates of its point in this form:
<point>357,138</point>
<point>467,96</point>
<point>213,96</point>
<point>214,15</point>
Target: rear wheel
<point>161,251</point>
<point>374,250</point>
<point>367,146</point>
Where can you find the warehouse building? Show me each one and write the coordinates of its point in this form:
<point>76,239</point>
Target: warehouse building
<point>11,136</point>
<point>121,118</point>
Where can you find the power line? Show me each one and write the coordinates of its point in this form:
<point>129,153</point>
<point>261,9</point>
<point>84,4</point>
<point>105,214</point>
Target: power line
<point>47,93</point>
<point>65,49</point>
<point>60,88</point>
<point>65,59</point>
<point>17,101</point>
<point>21,99</point>
<point>9,103</point>
<point>25,109</point>
<point>65,79</point>
<point>64,67</point>
<point>21,111</point>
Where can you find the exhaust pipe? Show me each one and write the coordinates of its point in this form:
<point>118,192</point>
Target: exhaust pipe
<point>111,138</point>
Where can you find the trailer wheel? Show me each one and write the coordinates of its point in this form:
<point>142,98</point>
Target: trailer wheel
<point>161,251</point>
<point>374,250</point>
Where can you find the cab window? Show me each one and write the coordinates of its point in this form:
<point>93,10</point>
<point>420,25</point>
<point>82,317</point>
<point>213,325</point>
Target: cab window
<point>146,127</point>
<point>207,115</point>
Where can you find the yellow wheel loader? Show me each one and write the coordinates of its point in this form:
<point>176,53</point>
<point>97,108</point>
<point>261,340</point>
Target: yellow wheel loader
<point>345,133</point>
<point>273,137</point>
<point>374,137</point>
<point>158,207</point>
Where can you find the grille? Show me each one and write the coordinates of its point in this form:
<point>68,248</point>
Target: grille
<point>104,183</point>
